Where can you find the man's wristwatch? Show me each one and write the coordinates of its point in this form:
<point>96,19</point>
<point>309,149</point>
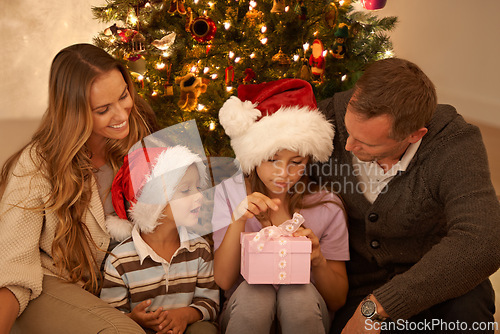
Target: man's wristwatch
<point>369,310</point>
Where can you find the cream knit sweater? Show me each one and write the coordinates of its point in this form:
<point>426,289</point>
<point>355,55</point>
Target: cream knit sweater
<point>26,236</point>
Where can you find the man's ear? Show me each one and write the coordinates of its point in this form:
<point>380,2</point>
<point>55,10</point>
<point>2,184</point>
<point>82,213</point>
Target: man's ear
<point>417,135</point>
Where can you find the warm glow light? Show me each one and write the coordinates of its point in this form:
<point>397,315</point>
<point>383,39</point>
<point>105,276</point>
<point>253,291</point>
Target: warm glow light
<point>315,33</point>
<point>306,46</point>
<point>205,70</point>
<point>324,53</point>
<point>253,4</point>
<point>194,69</point>
<point>196,1</point>
<point>147,5</point>
<point>154,93</point>
<point>227,25</point>
<point>201,107</point>
<point>287,8</point>
<point>229,88</point>
<point>214,76</point>
<point>341,2</point>
<point>252,56</point>
<point>263,29</point>
<point>344,77</point>
<point>231,54</point>
<point>389,53</point>
<point>296,57</point>
<point>211,127</point>
<point>210,4</point>
<point>264,40</point>
<point>166,54</point>
<point>140,77</point>
<point>237,59</point>
<point>160,66</point>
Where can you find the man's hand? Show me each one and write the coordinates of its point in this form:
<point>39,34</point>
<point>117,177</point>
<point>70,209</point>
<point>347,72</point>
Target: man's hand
<point>359,324</point>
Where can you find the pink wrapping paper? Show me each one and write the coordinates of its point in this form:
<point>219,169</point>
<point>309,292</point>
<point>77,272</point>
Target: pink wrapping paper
<point>273,256</point>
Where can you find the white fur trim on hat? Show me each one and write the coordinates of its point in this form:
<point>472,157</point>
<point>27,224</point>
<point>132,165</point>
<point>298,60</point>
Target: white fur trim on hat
<point>299,129</point>
<point>119,229</point>
<point>237,116</point>
<point>168,170</point>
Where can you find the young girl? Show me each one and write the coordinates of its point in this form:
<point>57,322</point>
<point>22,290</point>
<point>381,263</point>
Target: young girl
<point>275,131</point>
<point>161,277</point>
<point>52,227</point>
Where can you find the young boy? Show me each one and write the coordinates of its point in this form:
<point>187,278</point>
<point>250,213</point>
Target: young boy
<point>161,276</point>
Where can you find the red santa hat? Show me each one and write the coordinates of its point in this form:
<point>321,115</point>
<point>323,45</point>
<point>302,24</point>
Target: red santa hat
<point>273,116</point>
<point>145,184</point>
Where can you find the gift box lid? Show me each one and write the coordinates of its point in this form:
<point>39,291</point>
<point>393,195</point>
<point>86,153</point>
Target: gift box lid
<point>254,244</point>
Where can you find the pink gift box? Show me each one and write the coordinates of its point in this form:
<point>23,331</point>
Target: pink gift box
<point>281,260</point>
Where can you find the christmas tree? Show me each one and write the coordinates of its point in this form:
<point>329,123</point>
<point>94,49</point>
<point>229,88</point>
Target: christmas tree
<point>189,56</point>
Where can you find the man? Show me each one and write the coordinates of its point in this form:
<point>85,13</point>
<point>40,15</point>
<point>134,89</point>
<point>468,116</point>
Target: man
<point>424,220</point>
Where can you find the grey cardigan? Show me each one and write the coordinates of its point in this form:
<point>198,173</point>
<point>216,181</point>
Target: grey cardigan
<point>435,233</point>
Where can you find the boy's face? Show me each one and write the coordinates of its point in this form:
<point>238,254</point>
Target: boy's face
<point>184,207</point>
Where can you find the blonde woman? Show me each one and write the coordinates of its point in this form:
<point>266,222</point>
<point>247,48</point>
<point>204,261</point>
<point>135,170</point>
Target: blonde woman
<point>53,238</point>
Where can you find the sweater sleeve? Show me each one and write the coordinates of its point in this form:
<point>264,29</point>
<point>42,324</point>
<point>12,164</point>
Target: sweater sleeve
<point>20,229</point>
<point>459,179</point>
<point>115,290</point>
<point>206,293</point>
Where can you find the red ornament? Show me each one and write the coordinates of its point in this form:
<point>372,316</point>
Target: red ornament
<point>373,4</point>
<point>202,28</point>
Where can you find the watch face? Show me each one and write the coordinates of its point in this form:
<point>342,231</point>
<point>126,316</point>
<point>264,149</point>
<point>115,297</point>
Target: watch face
<point>368,308</point>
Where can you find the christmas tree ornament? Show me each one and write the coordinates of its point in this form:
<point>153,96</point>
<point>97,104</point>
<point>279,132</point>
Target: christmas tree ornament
<point>317,61</point>
<point>202,28</point>
<point>138,43</point>
<point>331,15</point>
<point>136,64</point>
<point>177,6</point>
<point>229,75</point>
<point>253,18</point>
<point>249,76</point>
<point>165,42</point>
<point>339,48</point>
<point>191,88</point>
<point>373,4</point>
<point>301,10</point>
<point>305,71</point>
<point>278,6</point>
<point>281,58</point>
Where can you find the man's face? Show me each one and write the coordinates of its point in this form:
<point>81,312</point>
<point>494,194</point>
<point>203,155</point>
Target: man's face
<point>369,138</point>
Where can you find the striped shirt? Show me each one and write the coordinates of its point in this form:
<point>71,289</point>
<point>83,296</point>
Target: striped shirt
<point>134,273</point>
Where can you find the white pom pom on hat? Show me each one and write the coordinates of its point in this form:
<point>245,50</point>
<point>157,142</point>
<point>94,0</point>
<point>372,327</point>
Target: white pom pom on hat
<point>283,115</point>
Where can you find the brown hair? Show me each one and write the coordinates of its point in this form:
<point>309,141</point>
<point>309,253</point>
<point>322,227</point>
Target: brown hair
<point>60,145</point>
<point>295,195</point>
<point>399,88</point>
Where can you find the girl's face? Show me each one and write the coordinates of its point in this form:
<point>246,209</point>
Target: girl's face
<point>282,171</point>
<point>184,207</point>
<point>111,105</point>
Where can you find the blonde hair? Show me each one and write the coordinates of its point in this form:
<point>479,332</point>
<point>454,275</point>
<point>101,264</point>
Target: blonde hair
<point>60,144</point>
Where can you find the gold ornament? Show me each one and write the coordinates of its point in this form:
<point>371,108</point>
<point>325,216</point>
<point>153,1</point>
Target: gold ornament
<point>254,17</point>
<point>281,58</point>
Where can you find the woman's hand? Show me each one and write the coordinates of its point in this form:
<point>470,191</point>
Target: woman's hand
<point>253,205</point>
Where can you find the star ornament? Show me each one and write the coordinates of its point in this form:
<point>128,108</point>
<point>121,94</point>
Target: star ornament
<point>165,42</point>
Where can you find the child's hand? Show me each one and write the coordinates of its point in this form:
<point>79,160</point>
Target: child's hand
<point>177,320</point>
<point>317,257</point>
<point>147,319</point>
<point>254,204</point>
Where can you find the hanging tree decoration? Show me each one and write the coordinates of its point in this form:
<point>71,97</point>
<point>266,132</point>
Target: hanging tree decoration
<point>317,61</point>
<point>339,48</point>
<point>373,4</point>
<point>202,28</point>
<point>331,12</point>
<point>278,6</point>
<point>301,10</point>
<point>177,6</point>
<point>165,42</point>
